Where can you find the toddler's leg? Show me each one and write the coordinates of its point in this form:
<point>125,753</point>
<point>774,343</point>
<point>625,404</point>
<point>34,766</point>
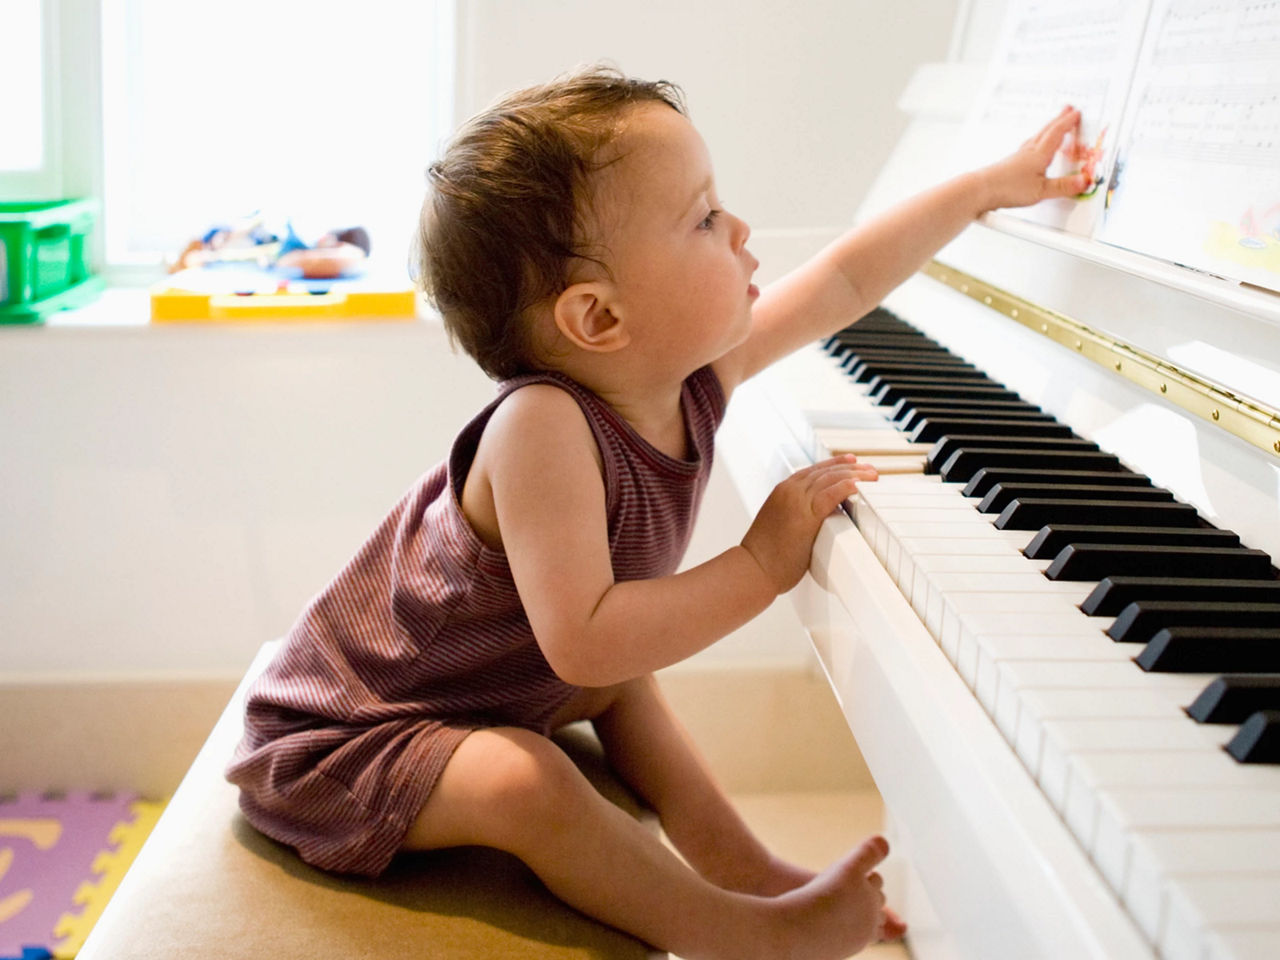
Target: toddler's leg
<point>516,791</point>
<point>650,749</point>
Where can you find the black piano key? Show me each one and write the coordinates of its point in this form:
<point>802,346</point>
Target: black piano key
<point>1002,494</point>
<point>849,351</point>
<point>1232,698</point>
<point>929,429</point>
<point>907,412</point>
<point>890,394</point>
<point>908,418</point>
<point>988,477</point>
<point>867,370</point>
<point>1258,739</point>
<point>881,382</point>
<point>1033,513</point>
<point>967,461</point>
<point>1142,620</point>
<point>1113,594</point>
<point>942,449</point>
<point>1199,649</point>
<point>884,385</point>
<point>1094,561</point>
<point>868,339</point>
<point>1054,537</point>
<point>921,357</point>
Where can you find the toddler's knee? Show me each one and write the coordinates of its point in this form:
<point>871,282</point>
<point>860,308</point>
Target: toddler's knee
<point>536,783</point>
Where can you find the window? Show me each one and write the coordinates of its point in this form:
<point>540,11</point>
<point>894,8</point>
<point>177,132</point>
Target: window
<point>29,135</point>
<point>22,68</point>
<point>323,111</point>
<point>180,116</point>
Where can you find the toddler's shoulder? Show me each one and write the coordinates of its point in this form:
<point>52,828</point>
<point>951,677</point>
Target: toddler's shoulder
<point>535,424</point>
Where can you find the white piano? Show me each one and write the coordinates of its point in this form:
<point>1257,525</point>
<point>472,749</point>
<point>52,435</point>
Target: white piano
<point>1047,797</point>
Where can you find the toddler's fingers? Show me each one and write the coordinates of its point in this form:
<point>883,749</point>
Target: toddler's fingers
<point>831,495</point>
<point>1067,186</point>
<point>840,460</point>
<point>1057,128</point>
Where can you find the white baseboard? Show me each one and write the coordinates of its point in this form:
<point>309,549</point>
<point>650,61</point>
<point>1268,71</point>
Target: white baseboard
<point>109,735</point>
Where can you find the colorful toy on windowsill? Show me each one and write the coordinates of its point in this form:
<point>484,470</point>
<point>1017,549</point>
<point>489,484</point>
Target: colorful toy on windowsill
<point>334,254</point>
<point>247,271</point>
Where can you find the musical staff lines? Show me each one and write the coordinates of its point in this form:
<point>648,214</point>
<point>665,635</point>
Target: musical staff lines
<point>1237,124</point>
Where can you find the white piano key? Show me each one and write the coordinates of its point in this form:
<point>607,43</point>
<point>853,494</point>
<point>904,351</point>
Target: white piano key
<point>1161,857</point>
<point>1064,740</point>
<point>928,484</point>
<point>1124,811</point>
<point>932,548</point>
<point>1099,679</point>
<point>1029,614</point>
<point>993,649</point>
<point>1243,943</point>
<point>893,516</point>
<point>1028,581</point>
<point>959,531</point>
<point>1198,905</point>
<point>1095,772</point>
<point>1000,559</point>
<point>1041,704</point>
<point>929,498</point>
<point>869,442</point>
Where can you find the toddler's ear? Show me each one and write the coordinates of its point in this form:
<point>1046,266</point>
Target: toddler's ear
<point>583,316</point>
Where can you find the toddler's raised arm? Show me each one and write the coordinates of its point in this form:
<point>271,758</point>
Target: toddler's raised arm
<point>851,276</point>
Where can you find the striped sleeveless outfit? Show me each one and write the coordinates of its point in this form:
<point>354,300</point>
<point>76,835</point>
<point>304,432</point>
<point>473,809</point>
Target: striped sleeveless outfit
<point>422,639</point>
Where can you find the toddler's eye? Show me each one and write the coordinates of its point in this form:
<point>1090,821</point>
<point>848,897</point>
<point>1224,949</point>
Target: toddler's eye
<point>709,220</point>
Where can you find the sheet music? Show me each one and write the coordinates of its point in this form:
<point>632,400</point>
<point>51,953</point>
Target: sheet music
<point>1053,53</point>
<point>1197,179</point>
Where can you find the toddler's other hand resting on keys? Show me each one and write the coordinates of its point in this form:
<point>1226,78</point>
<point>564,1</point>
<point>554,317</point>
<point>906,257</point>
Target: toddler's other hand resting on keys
<point>781,537</point>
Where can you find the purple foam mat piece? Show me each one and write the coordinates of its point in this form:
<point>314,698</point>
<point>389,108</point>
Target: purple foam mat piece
<point>51,843</point>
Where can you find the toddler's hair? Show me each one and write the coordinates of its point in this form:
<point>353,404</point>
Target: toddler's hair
<point>504,212</point>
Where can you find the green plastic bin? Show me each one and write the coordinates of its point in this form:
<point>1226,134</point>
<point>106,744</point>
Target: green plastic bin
<point>42,258</point>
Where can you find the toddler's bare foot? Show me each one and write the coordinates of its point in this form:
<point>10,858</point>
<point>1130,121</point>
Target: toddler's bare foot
<point>838,912</point>
<point>779,876</point>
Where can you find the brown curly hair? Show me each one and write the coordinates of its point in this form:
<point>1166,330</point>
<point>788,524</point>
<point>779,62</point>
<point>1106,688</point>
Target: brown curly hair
<point>505,212</point>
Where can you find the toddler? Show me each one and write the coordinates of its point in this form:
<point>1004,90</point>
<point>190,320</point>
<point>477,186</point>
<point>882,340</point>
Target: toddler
<point>575,245</point>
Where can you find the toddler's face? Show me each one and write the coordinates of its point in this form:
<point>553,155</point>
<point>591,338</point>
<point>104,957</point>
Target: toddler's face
<point>681,269</point>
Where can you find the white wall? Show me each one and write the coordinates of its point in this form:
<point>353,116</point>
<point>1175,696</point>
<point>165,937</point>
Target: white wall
<point>795,100</point>
<point>170,497</point>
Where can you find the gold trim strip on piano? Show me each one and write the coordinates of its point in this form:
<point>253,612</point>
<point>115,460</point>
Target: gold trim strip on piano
<point>1248,419</point>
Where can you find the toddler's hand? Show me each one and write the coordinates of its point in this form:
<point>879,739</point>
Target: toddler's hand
<point>781,537</point>
<point>1019,180</point>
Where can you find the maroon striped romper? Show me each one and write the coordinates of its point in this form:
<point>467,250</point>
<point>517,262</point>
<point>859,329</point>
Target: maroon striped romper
<point>422,639</point>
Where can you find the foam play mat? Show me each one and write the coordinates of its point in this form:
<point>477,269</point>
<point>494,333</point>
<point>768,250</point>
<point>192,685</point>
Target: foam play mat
<point>61,858</point>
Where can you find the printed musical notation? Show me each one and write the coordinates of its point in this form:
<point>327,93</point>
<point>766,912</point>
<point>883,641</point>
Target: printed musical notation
<point>1181,123</point>
<point>1197,180</point>
<point>1053,53</point>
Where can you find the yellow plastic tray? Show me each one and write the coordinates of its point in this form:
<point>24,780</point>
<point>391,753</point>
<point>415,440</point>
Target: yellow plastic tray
<point>174,305</point>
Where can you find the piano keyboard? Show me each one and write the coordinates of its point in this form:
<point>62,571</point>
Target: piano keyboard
<point>1127,651</point>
